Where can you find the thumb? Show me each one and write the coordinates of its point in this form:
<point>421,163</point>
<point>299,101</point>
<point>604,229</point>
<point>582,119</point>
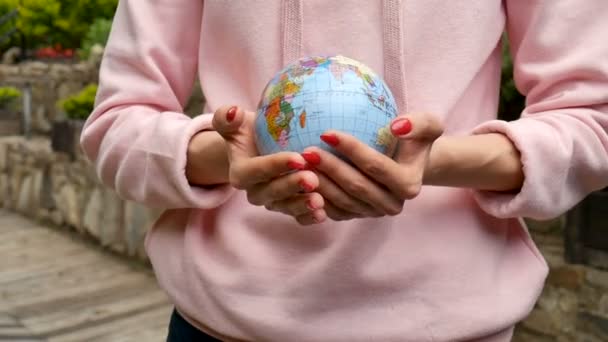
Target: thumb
<point>227,121</point>
<point>416,133</point>
<point>232,124</point>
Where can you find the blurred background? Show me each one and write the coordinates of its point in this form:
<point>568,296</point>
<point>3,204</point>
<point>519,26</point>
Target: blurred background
<point>72,262</point>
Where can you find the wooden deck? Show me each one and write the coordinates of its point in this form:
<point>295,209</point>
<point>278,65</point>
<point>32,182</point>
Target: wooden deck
<point>57,287</point>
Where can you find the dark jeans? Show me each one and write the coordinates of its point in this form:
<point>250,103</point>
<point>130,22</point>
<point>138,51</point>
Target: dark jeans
<point>182,331</point>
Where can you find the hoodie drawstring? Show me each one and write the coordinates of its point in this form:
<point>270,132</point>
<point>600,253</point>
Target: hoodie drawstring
<point>292,30</point>
<point>392,33</point>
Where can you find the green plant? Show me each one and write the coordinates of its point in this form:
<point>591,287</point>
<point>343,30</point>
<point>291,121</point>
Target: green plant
<point>8,95</point>
<point>6,6</point>
<point>61,23</point>
<point>98,34</point>
<point>81,14</point>
<point>80,105</point>
<point>512,102</point>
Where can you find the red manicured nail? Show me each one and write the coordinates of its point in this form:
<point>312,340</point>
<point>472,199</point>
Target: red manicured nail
<point>330,139</point>
<point>401,127</point>
<point>311,206</point>
<point>312,158</point>
<point>231,114</point>
<point>295,165</point>
<point>305,186</point>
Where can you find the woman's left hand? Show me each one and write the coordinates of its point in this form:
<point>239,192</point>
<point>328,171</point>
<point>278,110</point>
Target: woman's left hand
<point>374,185</point>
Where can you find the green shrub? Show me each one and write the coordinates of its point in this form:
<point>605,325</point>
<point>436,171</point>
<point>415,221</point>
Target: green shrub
<point>97,35</point>
<point>79,106</point>
<point>57,22</point>
<point>511,101</point>
<point>8,95</point>
<point>7,6</point>
<point>81,14</point>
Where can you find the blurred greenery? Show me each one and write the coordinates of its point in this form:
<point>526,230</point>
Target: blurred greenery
<point>8,95</point>
<point>79,106</point>
<point>62,23</point>
<point>97,35</point>
<point>511,101</point>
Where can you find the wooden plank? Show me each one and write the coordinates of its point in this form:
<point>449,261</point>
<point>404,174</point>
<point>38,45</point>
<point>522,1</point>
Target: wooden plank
<point>85,300</point>
<point>18,333</point>
<point>69,263</point>
<point>32,288</point>
<point>66,319</point>
<point>56,286</point>
<point>148,333</point>
<point>30,243</point>
<point>7,320</point>
<point>115,328</point>
<point>52,297</point>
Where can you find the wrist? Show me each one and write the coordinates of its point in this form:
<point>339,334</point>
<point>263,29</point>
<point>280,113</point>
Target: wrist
<point>484,162</point>
<point>207,159</point>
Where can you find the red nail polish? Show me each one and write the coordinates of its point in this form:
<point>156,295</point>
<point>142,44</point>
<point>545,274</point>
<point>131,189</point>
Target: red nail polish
<point>330,139</point>
<point>310,205</point>
<point>295,165</point>
<point>305,186</point>
<point>401,127</point>
<point>312,158</point>
<point>231,114</point>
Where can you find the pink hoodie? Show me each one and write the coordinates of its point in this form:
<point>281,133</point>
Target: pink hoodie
<point>457,265</point>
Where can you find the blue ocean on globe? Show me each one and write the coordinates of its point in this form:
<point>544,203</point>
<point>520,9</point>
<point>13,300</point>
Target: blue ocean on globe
<point>316,94</point>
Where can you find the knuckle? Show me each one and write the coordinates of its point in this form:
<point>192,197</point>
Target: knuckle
<point>235,179</point>
<point>274,192</point>
<point>262,174</point>
<point>357,187</point>
<point>395,209</point>
<point>345,204</point>
<point>338,216</point>
<point>373,168</point>
<point>303,220</point>
<point>254,199</point>
<point>237,183</point>
<point>334,216</point>
<point>410,191</point>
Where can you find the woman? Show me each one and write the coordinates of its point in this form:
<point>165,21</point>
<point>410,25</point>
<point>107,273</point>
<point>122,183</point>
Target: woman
<point>423,247</point>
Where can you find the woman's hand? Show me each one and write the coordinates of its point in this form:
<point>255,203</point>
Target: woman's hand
<point>375,185</point>
<point>268,180</point>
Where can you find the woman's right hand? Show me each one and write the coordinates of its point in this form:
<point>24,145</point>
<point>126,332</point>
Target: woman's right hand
<point>270,180</point>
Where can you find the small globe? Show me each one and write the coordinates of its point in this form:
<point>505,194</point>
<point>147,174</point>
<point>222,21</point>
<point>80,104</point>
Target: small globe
<point>316,94</point>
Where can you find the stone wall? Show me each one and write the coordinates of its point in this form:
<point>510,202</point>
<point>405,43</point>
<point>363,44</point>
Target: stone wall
<point>574,304</point>
<point>49,83</point>
<point>49,186</point>
<point>58,187</point>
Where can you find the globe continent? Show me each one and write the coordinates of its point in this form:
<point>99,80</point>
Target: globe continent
<point>316,94</point>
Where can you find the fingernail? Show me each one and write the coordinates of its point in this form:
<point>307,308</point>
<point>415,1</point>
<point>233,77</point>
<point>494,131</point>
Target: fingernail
<point>231,114</point>
<point>401,127</point>
<point>305,186</point>
<point>330,139</point>
<point>311,206</point>
<point>295,165</point>
<point>312,158</point>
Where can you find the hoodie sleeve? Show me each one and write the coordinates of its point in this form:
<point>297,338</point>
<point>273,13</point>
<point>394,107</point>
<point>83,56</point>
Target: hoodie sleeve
<point>137,135</point>
<point>561,65</point>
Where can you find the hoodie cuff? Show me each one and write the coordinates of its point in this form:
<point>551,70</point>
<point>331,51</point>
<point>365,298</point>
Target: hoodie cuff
<point>536,198</point>
<point>199,196</point>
